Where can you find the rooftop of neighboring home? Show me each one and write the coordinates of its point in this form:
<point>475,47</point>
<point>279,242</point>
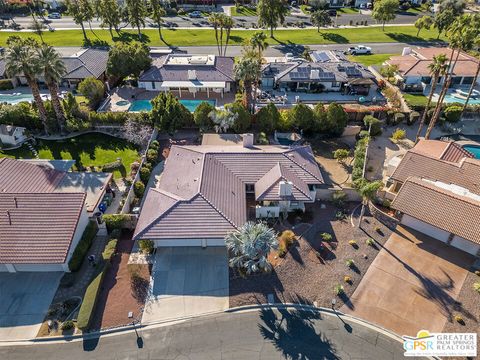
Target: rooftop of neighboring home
<point>202,191</point>
<point>440,161</point>
<point>325,66</point>
<point>415,62</point>
<point>86,63</point>
<point>9,130</point>
<point>188,68</point>
<point>40,177</point>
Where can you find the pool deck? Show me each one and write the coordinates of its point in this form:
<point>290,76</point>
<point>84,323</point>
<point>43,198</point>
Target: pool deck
<point>131,94</point>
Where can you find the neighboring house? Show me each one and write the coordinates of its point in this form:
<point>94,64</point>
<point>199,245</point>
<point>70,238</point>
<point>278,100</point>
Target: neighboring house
<point>328,71</point>
<point>43,214</point>
<point>414,75</point>
<point>193,74</point>
<point>437,192</point>
<point>12,135</point>
<point>206,191</point>
<point>85,63</point>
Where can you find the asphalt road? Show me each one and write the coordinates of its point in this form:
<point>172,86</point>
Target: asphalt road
<point>66,22</point>
<point>250,335</point>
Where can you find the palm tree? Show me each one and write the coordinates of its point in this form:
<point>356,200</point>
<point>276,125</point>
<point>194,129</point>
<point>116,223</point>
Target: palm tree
<point>215,20</point>
<point>21,59</point>
<point>259,42</point>
<point>52,68</point>
<point>247,71</point>
<point>368,192</point>
<point>250,246</point>
<point>158,12</point>
<point>227,24</point>
<point>472,87</point>
<point>438,67</point>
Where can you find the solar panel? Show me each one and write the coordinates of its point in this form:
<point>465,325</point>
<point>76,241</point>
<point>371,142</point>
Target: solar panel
<point>320,56</point>
<point>353,71</point>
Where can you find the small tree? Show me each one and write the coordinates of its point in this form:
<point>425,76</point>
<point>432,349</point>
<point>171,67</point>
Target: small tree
<point>389,71</point>
<point>385,10</point>
<point>267,118</point>
<point>302,117</point>
<point>249,247</point>
<point>340,155</point>
<point>137,132</point>
<point>373,124</point>
<point>320,18</point>
<point>243,119</point>
<point>146,246</point>
<point>93,90</point>
<point>222,120</point>
<point>168,114</point>
<point>128,59</point>
<point>201,116</point>
<point>337,118</point>
<point>425,22</point>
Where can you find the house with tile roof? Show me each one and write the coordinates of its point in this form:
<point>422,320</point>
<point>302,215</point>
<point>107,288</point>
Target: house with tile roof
<point>43,214</point>
<point>437,192</point>
<point>190,74</point>
<point>207,191</point>
<point>414,75</point>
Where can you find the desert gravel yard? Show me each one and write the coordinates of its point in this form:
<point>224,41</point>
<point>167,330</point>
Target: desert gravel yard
<point>301,276</point>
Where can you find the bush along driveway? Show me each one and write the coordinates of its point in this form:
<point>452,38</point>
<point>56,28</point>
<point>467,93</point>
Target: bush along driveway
<point>315,269</point>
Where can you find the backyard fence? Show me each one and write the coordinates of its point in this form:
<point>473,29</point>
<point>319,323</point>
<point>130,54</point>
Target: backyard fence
<point>325,194</point>
<point>131,194</point>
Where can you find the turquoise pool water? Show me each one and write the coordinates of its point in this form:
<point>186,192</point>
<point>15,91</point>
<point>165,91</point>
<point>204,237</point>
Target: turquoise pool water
<point>452,99</point>
<point>474,149</point>
<point>146,105</point>
<point>15,99</point>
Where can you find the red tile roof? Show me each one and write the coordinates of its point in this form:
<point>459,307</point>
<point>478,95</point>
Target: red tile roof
<point>443,150</point>
<point>38,228</point>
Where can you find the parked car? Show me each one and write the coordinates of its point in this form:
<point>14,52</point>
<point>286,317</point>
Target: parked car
<point>332,12</point>
<point>54,15</point>
<point>195,14</point>
<point>359,50</point>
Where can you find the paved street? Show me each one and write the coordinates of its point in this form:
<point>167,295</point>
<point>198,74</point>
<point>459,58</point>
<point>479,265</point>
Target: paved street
<point>67,22</point>
<point>250,335</point>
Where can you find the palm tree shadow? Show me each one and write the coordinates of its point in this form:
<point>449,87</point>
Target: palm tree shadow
<point>294,335</point>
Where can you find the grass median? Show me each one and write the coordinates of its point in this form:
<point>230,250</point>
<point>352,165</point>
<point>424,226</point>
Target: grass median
<point>205,37</point>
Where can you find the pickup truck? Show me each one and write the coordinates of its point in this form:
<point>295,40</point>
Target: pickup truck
<point>359,50</point>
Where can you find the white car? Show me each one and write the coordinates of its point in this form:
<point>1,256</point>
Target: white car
<point>54,15</point>
<point>359,50</point>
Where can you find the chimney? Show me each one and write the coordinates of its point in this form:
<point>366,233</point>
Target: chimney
<point>285,188</point>
<point>406,51</point>
<point>248,140</point>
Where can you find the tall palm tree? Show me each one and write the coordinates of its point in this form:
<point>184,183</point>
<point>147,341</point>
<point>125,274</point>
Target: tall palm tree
<point>438,67</point>
<point>215,20</point>
<point>157,13</point>
<point>21,59</point>
<point>227,24</point>
<point>52,68</point>
<point>472,87</point>
<point>247,71</point>
<point>259,42</point>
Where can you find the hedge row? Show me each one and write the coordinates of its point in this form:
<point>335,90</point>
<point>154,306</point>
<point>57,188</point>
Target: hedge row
<point>83,245</point>
<point>116,221</point>
<point>359,158</point>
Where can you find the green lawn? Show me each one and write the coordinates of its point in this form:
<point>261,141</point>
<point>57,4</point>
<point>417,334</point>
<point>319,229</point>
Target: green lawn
<point>243,11</point>
<point>415,100</point>
<point>201,37</point>
<point>369,60</point>
<point>88,150</point>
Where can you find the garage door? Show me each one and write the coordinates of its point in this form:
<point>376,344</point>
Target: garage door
<point>425,228</point>
<point>38,267</point>
<point>190,242</point>
<point>3,268</point>
<point>465,245</point>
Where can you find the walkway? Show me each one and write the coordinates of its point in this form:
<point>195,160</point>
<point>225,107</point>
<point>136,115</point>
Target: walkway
<point>265,334</point>
<point>86,272</point>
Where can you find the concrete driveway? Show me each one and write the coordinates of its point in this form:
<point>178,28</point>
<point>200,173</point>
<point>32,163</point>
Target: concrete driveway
<point>24,302</point>
<point>412,284</point>
<point>187,281</point>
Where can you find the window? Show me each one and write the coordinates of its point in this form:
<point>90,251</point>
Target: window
<point>250,188</point>
<point>153,85</point>
<point>426,80</point>
<point>468,80</point>
<point>335,84</point>
<point>456,80</point>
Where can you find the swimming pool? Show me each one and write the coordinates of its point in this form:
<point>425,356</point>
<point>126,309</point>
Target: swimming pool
<point>15,99</point>
<point>146,105</point>
<point>449,98</point>
<point>474,149</point>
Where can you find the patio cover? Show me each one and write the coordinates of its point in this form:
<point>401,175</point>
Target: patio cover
<point>361,81</point>
<point>193,84</point>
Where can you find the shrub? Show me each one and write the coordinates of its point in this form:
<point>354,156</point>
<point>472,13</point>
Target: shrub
<point>370,242</point>
<point>353,242</point>
<point>286,239</point>
<point>337,118</point>
<point>359,158</point>
<point>476,287</point>
<point>267,118</point>
<point>459,319</point>
<point>115,165</point>
<point>262,139</point>
<point>201,116</point>
<point>399,134</point>
<point>338,198</point>
<point>413,117</point>
<point>377,229</point>
<point>301,116</point>
<point>398,118</point>
<point>138,189</point>
<point>6,84</point>
<point>116,221</point>
<point>363,134</point>
<point>109,249</point>
<point>326,236</point>
<point>453,113</point>
<point>152,155</point>
<point>477,272</point>
<point>350,263</point>
<point>145,174</point>
<point>68,325</point>
<point>93,89</point>
<point>146,246</point>
<point>374,124</point>
<point>340,154</point>
<point>243,119</point>
<point>83,245</point>
<point>339,290</point>
<point>90,300</point>
<point>347,279</point>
